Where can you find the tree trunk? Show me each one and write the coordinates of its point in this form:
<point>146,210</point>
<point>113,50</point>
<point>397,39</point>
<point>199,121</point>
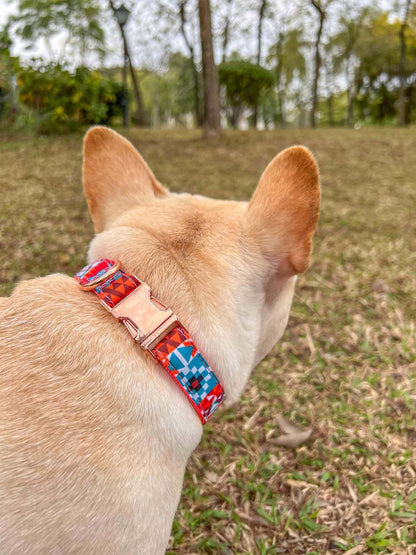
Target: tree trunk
<point>141,114</point>
<point>282,108</point>
<point>233,116</point>
<point>262,10</point>
<point>317,68</point>
<point>279,72</point>
<point>330,104</point>
<point>302,118</point>
<point>226,32</point>
<point>402,66</point>
<point>125,104</point>
<point>156,106</point>
<point>197,95</point>
<point>349,120</point>
<point>409,95</point>
<point>212,117</point>
<point>13,96</point>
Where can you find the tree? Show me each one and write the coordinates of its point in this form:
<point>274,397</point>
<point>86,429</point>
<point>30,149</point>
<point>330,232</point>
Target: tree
<point>191,49</point>
<point>9,66</point>
<point>345,58</point>
<point>212,117</point>
<point>287,54</point>
<point>226,29</point>
<point>244,83</point>
<point>141,117</point>
<point>182,92</point>
<point>329,74</point>
<point>261,14</point>
<point>177,20</point>
<point>321,7</point>
<point>260,20</point>
<point>378,50</point>
<point>403,63</point>
<point>60,100</point>
<point>78,20</point>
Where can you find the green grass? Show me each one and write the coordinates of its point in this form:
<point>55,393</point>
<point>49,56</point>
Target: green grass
<point>346,366</point>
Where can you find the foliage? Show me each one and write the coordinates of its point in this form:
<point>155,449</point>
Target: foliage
<point>379,51</point>
<point>182,86</point>
<point>169,96</point>
<point>365,75</point>
<point>8,67</point>
<point>288,55</point>
<point>287,58</point>
<point>245,83</point>
<point>61,100</point>
<point>269,109</point>
<point>5,42</point>
<point>80,19</point>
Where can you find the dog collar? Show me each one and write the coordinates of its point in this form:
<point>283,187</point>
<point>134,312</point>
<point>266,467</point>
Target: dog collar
<point>157,330</point>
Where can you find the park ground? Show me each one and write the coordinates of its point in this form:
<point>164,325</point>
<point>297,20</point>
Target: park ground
<point>346,366</point>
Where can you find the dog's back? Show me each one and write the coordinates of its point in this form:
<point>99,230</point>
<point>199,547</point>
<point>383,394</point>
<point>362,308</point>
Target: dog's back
<point>71,480</point>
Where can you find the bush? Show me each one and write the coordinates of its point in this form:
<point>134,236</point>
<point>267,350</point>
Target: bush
<point>61,101</point>
<point>8,67</point>
<point>245,85</point>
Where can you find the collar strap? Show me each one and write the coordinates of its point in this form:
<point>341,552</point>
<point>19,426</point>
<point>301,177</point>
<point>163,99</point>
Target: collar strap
<point>157,330</point>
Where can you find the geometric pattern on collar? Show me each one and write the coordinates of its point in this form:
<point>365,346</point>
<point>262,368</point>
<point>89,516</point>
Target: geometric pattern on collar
<point>157,330</point>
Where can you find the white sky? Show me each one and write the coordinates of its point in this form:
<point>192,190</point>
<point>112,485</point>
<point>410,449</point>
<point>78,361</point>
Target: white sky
<point>5,9</point>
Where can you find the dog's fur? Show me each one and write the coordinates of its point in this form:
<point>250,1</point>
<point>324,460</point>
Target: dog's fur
<point>94,437</point>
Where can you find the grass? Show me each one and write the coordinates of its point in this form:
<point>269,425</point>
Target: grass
<point>346,366</point>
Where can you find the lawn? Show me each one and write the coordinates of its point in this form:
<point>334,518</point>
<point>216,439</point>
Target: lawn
<point>346,366</point>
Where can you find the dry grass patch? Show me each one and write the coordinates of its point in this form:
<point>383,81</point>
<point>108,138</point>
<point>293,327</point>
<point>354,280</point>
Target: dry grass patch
<point>346,366</point>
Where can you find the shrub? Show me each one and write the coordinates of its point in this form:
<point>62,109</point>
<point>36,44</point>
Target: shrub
<point>61,100</point>
<point>245,85</point>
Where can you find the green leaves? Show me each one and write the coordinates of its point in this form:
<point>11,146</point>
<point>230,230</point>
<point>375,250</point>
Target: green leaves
<point>81,20</point>
<point>61,100</point>
<point>244,82</point>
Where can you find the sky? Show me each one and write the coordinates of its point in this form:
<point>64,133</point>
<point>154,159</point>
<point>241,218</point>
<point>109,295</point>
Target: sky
<point>38,49</point>
<point>5,10</point>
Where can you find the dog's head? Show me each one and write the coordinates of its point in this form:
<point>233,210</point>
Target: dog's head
<point>228,269</point>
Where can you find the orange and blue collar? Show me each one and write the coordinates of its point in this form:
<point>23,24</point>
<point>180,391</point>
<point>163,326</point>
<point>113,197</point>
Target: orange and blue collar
<point>157,330</point>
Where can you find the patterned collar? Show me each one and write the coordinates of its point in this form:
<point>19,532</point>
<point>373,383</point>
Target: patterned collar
<point>157,330</point>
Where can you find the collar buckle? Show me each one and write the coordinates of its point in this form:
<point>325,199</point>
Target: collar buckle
<point>147,319</point>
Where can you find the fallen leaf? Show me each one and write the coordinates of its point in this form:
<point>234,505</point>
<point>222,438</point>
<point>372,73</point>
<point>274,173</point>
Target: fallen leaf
<point>212,477</point>
<point>287,426</point>
<point>356,549</point>
<point>292,436</point>
<point>293,440</point>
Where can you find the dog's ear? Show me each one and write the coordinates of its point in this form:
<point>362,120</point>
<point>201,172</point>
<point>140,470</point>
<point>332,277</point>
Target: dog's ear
<point>115,176</point>
<point>283,212</point>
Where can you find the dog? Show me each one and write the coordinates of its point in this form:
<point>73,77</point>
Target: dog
<point>94,434</point>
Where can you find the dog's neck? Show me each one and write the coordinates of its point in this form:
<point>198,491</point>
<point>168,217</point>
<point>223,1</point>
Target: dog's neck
<point>228,346</point>
<point>227,326</point>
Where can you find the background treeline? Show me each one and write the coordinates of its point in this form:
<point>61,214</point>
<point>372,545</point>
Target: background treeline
<point>293,63</point>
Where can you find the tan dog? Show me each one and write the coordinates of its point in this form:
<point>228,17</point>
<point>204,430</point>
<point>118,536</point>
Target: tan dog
<point>94,436</point>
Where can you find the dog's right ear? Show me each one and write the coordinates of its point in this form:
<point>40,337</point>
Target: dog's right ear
<point>283,213</point>
<point>115,176</point>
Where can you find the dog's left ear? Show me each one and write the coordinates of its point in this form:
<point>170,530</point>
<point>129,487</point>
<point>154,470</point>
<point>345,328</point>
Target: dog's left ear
<point>283,212</point>
<point>115,176</point>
